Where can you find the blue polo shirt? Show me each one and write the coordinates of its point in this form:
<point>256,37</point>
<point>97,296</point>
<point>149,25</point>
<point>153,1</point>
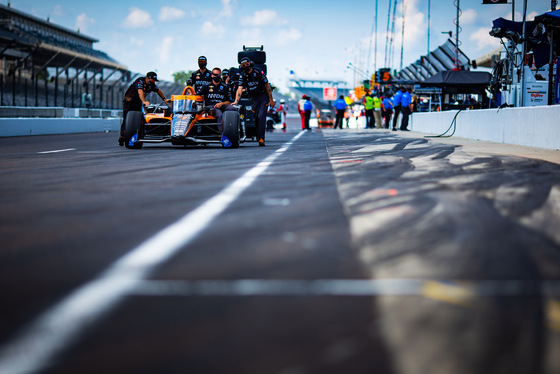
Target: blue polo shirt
<point>340,104</point>
<point>397,98</point>
<point>406,99</point>
<point>387,103</point>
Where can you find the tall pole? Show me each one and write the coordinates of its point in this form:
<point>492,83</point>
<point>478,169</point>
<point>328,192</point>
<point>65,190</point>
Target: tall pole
<point>457,63</point>
<point>403,7</point>
<point>551,91</point>
<point>387,51</point>
<point>523,55</point>
<point>391,45</point>
<point>428,28</point>
<point>512,66</point>
<point>372,36</point>
<point>375,42</point>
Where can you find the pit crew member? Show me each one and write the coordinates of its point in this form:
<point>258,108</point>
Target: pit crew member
<point>258,89</point>
<point>135,96</point>
<point>217,94</point>
<point>225,77</point>
<point>201,77</point>
<point>228,80</point>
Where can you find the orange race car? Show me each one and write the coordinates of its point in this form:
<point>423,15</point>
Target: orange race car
<point>325,118</point>
<point>188,122</point>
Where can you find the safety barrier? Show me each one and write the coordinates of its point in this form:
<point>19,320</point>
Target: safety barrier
<point>56,112</point>
<point>531,126</point>
<point>49,126</point>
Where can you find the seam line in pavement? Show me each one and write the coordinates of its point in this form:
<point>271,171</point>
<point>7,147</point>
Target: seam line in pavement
<point>446,290</point>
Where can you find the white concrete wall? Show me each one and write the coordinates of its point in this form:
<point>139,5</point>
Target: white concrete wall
<point>56,112</point>
<point>531,126</point>
<point>48,126</point>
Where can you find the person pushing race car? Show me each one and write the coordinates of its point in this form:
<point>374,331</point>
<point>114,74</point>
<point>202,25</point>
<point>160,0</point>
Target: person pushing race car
<point>135,96</point>
<point>258,89</point>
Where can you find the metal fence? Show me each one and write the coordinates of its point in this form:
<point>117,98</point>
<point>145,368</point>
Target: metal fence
<point>17,90</point>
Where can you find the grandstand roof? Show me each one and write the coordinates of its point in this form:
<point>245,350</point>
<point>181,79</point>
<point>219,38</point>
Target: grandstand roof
<point>23,36</point>
<point>16,13</point>
<point>441,59</point>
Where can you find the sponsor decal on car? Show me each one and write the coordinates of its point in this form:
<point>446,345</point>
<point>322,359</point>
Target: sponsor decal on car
<point>225,141</point>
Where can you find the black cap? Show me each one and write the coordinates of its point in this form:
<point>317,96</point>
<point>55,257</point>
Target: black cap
<point>244,59</point>
<point>202,58</point>
<point>152,75</point>
<point>225,72</point>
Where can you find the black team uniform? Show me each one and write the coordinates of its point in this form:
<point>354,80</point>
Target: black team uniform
<point>215,93</point>
<point>132,100</point>
<point>255,83</point>
<point>200,79</point>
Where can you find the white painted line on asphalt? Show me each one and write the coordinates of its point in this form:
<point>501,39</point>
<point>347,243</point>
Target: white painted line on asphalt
<point>55,329</point>
<point>57,151</point>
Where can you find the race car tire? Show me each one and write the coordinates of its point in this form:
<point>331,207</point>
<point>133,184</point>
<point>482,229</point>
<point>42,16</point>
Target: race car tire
<point>134,125</point>
<point>258,57</point>
<point>263,68</point>
<point>231,128</point>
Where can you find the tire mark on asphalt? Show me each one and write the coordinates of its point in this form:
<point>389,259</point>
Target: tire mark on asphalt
<point>454,216</point>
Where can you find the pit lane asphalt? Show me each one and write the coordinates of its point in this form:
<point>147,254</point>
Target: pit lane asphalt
<point>338,205</point>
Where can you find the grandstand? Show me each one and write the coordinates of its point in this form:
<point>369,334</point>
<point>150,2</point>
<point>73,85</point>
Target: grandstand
<point>44,64</point>
<point>314,89</point>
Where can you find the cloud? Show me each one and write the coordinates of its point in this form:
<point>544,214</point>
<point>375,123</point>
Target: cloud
<point>208,29</point>
<point>83,22</point>
<point>168,13</point>
<point>227,10</point>
<point>265,17</point>
<point>532,15</point>
<point>415,26</point>
<point>519,16</point>
<point>137,42</point>
<point>288,36</point>
<point>164,49</point>
<point>468,17</point>
<point>251,34</point>
<point>482,39</point>
<point>137,18</point>
<point>58,11</point>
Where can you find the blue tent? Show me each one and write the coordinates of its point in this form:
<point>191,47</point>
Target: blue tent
<point>501,26</point>
<point>551,18</point>
<point>459,81</point>
<point>536,41</point>
<point>551,22</point>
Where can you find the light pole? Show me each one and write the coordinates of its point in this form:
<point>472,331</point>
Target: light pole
<point>428,28</point>
<point>523,55</point>
<point>457,28</point>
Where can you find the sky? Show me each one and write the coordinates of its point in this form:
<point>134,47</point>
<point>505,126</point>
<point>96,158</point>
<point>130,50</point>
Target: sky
<point>306,39</point>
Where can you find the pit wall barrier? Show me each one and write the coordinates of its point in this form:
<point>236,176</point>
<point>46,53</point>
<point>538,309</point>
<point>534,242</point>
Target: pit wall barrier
<point>530,126</point>
<point>51,126</point>
<point>56,112</point>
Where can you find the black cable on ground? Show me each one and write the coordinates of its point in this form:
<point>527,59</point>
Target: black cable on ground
<point>453,124</point>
